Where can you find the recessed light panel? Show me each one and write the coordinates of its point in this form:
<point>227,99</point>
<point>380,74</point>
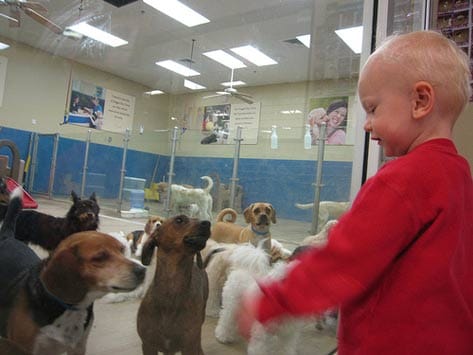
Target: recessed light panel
<point>178,12</point>
<point>177,68</point>
<point>353,37</point>
<point>226,59</point>
<point>193,86</point>
<point>97,34</point>
<point>254,55</point>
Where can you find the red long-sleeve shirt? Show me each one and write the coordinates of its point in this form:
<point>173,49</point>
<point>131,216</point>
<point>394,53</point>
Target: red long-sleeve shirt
<point>399,263</point>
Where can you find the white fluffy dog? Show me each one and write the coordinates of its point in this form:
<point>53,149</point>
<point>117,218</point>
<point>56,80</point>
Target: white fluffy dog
<point>327,210</point>
<point>218,258</point>
<point>247,264</point>
<point>199,199</point>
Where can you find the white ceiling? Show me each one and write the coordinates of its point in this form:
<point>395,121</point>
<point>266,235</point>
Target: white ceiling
<point>153,36</point>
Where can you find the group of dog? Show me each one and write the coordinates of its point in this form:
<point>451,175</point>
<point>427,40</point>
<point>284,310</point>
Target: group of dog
<point>46,306</point>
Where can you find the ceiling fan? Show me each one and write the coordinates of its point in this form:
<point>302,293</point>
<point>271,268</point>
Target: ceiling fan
<point>231,91</point>
<point>33,9</point>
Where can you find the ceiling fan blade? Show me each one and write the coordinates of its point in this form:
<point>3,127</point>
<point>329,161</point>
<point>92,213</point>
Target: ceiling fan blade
<point>243,94</point>
<point>14,22</point>
<point>43,20</point>
<point>36,6</point>
<point>243,98</point>
<point>210,96</point>
<point>14,18</point>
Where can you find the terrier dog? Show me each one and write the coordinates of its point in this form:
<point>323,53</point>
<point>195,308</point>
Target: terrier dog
<point>248,263</point>
<point>138,238</point>
<point>172,312</point>
<point>258,215</point>
<point>182,197</point>
<point>46,307</point>
<point>48,231</point>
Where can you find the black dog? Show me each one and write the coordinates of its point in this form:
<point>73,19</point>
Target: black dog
<point>48,231</point>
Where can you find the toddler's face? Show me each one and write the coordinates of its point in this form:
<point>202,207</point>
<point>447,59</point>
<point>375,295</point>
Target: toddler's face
<point>387,102</point>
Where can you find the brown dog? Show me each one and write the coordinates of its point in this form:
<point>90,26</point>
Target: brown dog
<point>138,238</point>
<point>258,215</point>
<point>46,307</point>
<point>172,312</point>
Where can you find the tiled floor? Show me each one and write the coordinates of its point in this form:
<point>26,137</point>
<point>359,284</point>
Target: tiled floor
<point>114,331</point>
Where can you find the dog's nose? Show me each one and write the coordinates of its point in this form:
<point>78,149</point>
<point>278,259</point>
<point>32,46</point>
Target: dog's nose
<point>205,224</point>
<point>139,272</point>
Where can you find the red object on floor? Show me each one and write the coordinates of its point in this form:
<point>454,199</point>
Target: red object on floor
<point>28,201</point>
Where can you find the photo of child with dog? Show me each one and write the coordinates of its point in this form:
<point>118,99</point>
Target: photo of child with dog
<point>398,263</point>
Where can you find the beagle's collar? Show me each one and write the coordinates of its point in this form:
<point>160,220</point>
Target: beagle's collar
<point>258,232</point>
<point>66,306</point>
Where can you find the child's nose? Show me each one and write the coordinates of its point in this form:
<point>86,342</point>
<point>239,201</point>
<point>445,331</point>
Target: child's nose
<point>367,125</point>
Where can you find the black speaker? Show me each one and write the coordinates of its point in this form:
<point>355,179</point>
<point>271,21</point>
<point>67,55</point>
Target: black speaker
<point>119,3</point>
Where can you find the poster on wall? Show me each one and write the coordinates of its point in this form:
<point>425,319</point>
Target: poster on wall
<point>334,112</point>
<point>215,124</point>
<point>220,122</point>
<point>247,117</point>
<point>96,107</point>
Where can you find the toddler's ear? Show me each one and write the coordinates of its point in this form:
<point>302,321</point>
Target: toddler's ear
<point>423,99</point>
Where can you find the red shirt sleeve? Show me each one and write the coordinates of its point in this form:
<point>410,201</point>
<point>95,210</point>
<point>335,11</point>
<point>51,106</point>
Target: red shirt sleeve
<point>367,239</point>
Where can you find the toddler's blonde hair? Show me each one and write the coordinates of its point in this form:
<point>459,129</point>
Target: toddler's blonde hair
<point>430,56</point>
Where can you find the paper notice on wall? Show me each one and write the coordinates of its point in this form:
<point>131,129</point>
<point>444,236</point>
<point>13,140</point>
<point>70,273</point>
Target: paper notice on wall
<point>247,117</point>
<point>3,76</point>
<point>118,112</point>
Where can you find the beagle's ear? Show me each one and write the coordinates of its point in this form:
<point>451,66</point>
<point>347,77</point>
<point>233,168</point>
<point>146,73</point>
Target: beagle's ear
<point>248,213</point>
<point>273,214</point>
<point>148,249</point>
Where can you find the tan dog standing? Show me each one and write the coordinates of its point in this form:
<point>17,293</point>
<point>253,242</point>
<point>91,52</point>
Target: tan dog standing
<point>258,215</point>
<point>172,312</point>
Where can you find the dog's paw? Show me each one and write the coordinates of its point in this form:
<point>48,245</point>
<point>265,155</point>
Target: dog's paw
<point>223,337</point>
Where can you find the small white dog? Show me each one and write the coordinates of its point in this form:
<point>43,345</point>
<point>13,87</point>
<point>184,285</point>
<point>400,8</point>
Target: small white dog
<point>247,264</point>
<point>327,210</point>
<point>183,197</point>
<point>217,257</point>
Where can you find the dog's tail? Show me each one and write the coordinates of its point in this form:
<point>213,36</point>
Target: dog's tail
<point>210,256</point>
<point>227,211</point>
<point>304,206</point>
<point>14,208</point>
<point>210,183</point>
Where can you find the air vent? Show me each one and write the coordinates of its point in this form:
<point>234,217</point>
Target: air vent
<point>119,3</point>
<point>293,41</point>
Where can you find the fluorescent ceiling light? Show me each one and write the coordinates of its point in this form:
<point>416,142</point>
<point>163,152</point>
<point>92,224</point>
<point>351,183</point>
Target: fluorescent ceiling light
<point>178,11</point>
<point>254,55</point>
<point>305,40</point>
<point>233,83</point>
<point>177,68</point>
<point>97,34</point>
<point>353,37</point>
<point>154,92</point>
<point>3,46</point>
<point>193,86</point>
<point>226,59</point>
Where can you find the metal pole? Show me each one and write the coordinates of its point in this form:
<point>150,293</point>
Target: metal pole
<point>318,180</point>
<point>126,139</point>
<point>52,172</point>
<point>236,159</point>
<point>171,170</point>
<point>34,158</point>
<point>86,161</point>
<point>30,157</point>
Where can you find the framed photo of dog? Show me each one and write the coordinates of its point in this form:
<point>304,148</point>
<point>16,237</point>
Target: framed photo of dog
<point>220,123</point>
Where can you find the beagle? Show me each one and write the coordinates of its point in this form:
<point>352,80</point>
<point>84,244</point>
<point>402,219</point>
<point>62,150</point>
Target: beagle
<point>46,305</point>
